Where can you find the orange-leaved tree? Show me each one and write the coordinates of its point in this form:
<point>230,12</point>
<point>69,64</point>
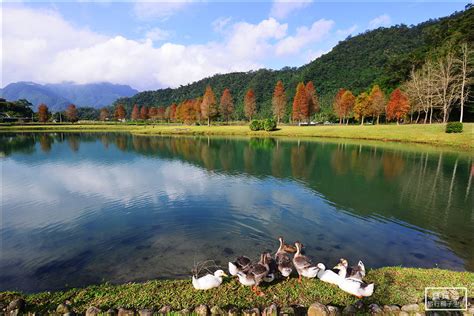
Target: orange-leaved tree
<point>279,101</point>
<point>337,105</point>
<point>226,105</point>
<point>209,108</point>
<point>398,106</point>
<point>313,102</point>
<point>377,102</point>
<point>300,103</point>
<point>250,105</point>
<point>135,113</point>
<point>120,112</point>
<point>43,113</point>
<point>347,103</point>
<point>362,107</point>
<point>144,112</point>
<point>71,113</point>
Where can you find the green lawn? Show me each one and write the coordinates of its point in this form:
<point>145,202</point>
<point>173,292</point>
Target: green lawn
<point>424,134</point>
<point>393,285</point>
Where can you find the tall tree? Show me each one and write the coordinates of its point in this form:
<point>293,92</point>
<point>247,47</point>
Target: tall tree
<point>135,113</point>
<point>362,107</point>
<point>337,105</point>
<point>71,113</point>
<point>347,103</point>
<point>446,87</point>
<point>153,113</point>
<point>250,105</point>
<point>377,102</point>
<point>197,108</point>
<point>144,112</point>
<point>43,113</point>
<point>104,114</point>
<point>279,101</point>
<point>313,102</point>
<point>173,112</point>
<point>226,105</point>
<point>120,112</point>
<point>398,106</point>
<point>464,61</point>
<point>209,108</point>
<point>300,103</point>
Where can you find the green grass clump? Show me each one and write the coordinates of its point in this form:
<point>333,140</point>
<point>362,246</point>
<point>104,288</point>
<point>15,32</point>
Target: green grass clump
<point>454,127</point>
<point>393,285</point>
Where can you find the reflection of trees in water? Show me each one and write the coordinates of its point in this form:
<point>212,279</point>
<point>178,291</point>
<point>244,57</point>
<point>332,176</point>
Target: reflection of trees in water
<point>73,142</point>
<point>46,141</point>
<point>16,143</point>
<point>393,165</point>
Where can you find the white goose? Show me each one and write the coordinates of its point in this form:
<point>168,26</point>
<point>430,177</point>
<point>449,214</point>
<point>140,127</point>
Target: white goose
<point>208,281</point>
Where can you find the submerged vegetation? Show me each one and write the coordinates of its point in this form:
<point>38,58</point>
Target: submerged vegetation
<point>394,285</point>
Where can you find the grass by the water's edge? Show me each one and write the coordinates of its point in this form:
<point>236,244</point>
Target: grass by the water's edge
<point>433,134</point>
<point>393,285</point>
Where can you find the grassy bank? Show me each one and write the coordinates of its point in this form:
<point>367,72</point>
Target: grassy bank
<point>394,285</point>
<point>424,134</point>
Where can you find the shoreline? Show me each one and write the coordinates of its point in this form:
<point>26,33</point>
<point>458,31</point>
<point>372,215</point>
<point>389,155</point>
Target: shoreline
<point>393,286</point>
<point>432,135</point>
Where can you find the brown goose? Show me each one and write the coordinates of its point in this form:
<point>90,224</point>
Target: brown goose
<point>256,273</point>
<point>303,264</point>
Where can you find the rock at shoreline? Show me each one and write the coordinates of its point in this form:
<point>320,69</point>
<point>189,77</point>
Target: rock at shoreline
<point>216,310</point>
<point>17,304</point>
<point>333,310</point>
<point>410,308</point>
<point>251,312</point>
<point>125,312</point>
<point>165,309</point>
<point>184,311</point>
<point>93,311</point>
<point>63,308</point>
<point>287,311</point>
<point>202,310</point>
<point>271,310</point>
<point>145,312</point>
<point>349,310</point>
<point>375,309</point>
<point>111,312</point>
<point>233,311</point>
<point>318,309</point>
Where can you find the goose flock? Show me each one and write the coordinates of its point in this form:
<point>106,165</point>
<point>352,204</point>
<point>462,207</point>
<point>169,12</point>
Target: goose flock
<point>281,265</point>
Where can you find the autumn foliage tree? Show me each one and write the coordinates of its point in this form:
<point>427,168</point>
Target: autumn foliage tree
<point>43,113</point>
<point>362,107</point>
<point>71,113</point>
<point>120,112</point>
<point>135,113</point>
<point>144,113</point>
<point>104,114</point>
<point>226,105</point>
<point>300,103</point>
<point>209,108</point>
<point>172,114</point>
<point>347,103</point>
<point>250,105</point>
<point>313,102</point>
<point>398,106</point>
<point>279,101</point>
<point>377,102</point>
<point>337,105</point>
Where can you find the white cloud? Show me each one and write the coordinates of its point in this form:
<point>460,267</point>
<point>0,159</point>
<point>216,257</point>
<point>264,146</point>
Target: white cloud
<point>382,20</point>
<point>53,51</point>
<point>157,34</point>
<point>348,31</point>
<point>304,36</point>
<point>282,8</point>
<point>162,10</point>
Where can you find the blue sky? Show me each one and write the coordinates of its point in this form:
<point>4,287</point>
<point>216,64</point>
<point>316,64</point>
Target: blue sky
<point>151,45</point>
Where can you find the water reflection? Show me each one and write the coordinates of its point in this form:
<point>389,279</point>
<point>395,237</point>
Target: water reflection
<point>118,208</point>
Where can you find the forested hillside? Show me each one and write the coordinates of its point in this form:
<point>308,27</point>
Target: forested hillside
<point>383,56</point>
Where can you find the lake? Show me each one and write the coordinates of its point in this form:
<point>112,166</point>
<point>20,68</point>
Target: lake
<point>80,209</point>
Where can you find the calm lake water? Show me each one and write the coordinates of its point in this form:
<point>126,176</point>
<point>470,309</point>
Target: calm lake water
<point>79,209</point>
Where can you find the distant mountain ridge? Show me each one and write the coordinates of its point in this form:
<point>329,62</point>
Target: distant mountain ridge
<point>59,96</point>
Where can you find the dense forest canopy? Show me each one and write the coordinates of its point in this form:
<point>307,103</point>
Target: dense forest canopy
<point>384,56</point>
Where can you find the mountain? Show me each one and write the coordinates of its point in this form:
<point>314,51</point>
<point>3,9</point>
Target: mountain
<point>382,56</point>
<point>59,96</point>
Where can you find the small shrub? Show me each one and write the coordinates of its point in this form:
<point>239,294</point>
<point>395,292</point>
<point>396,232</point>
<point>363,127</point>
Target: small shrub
<point>269,125</point>
<point>256,125</point>
<point>454,127</point>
